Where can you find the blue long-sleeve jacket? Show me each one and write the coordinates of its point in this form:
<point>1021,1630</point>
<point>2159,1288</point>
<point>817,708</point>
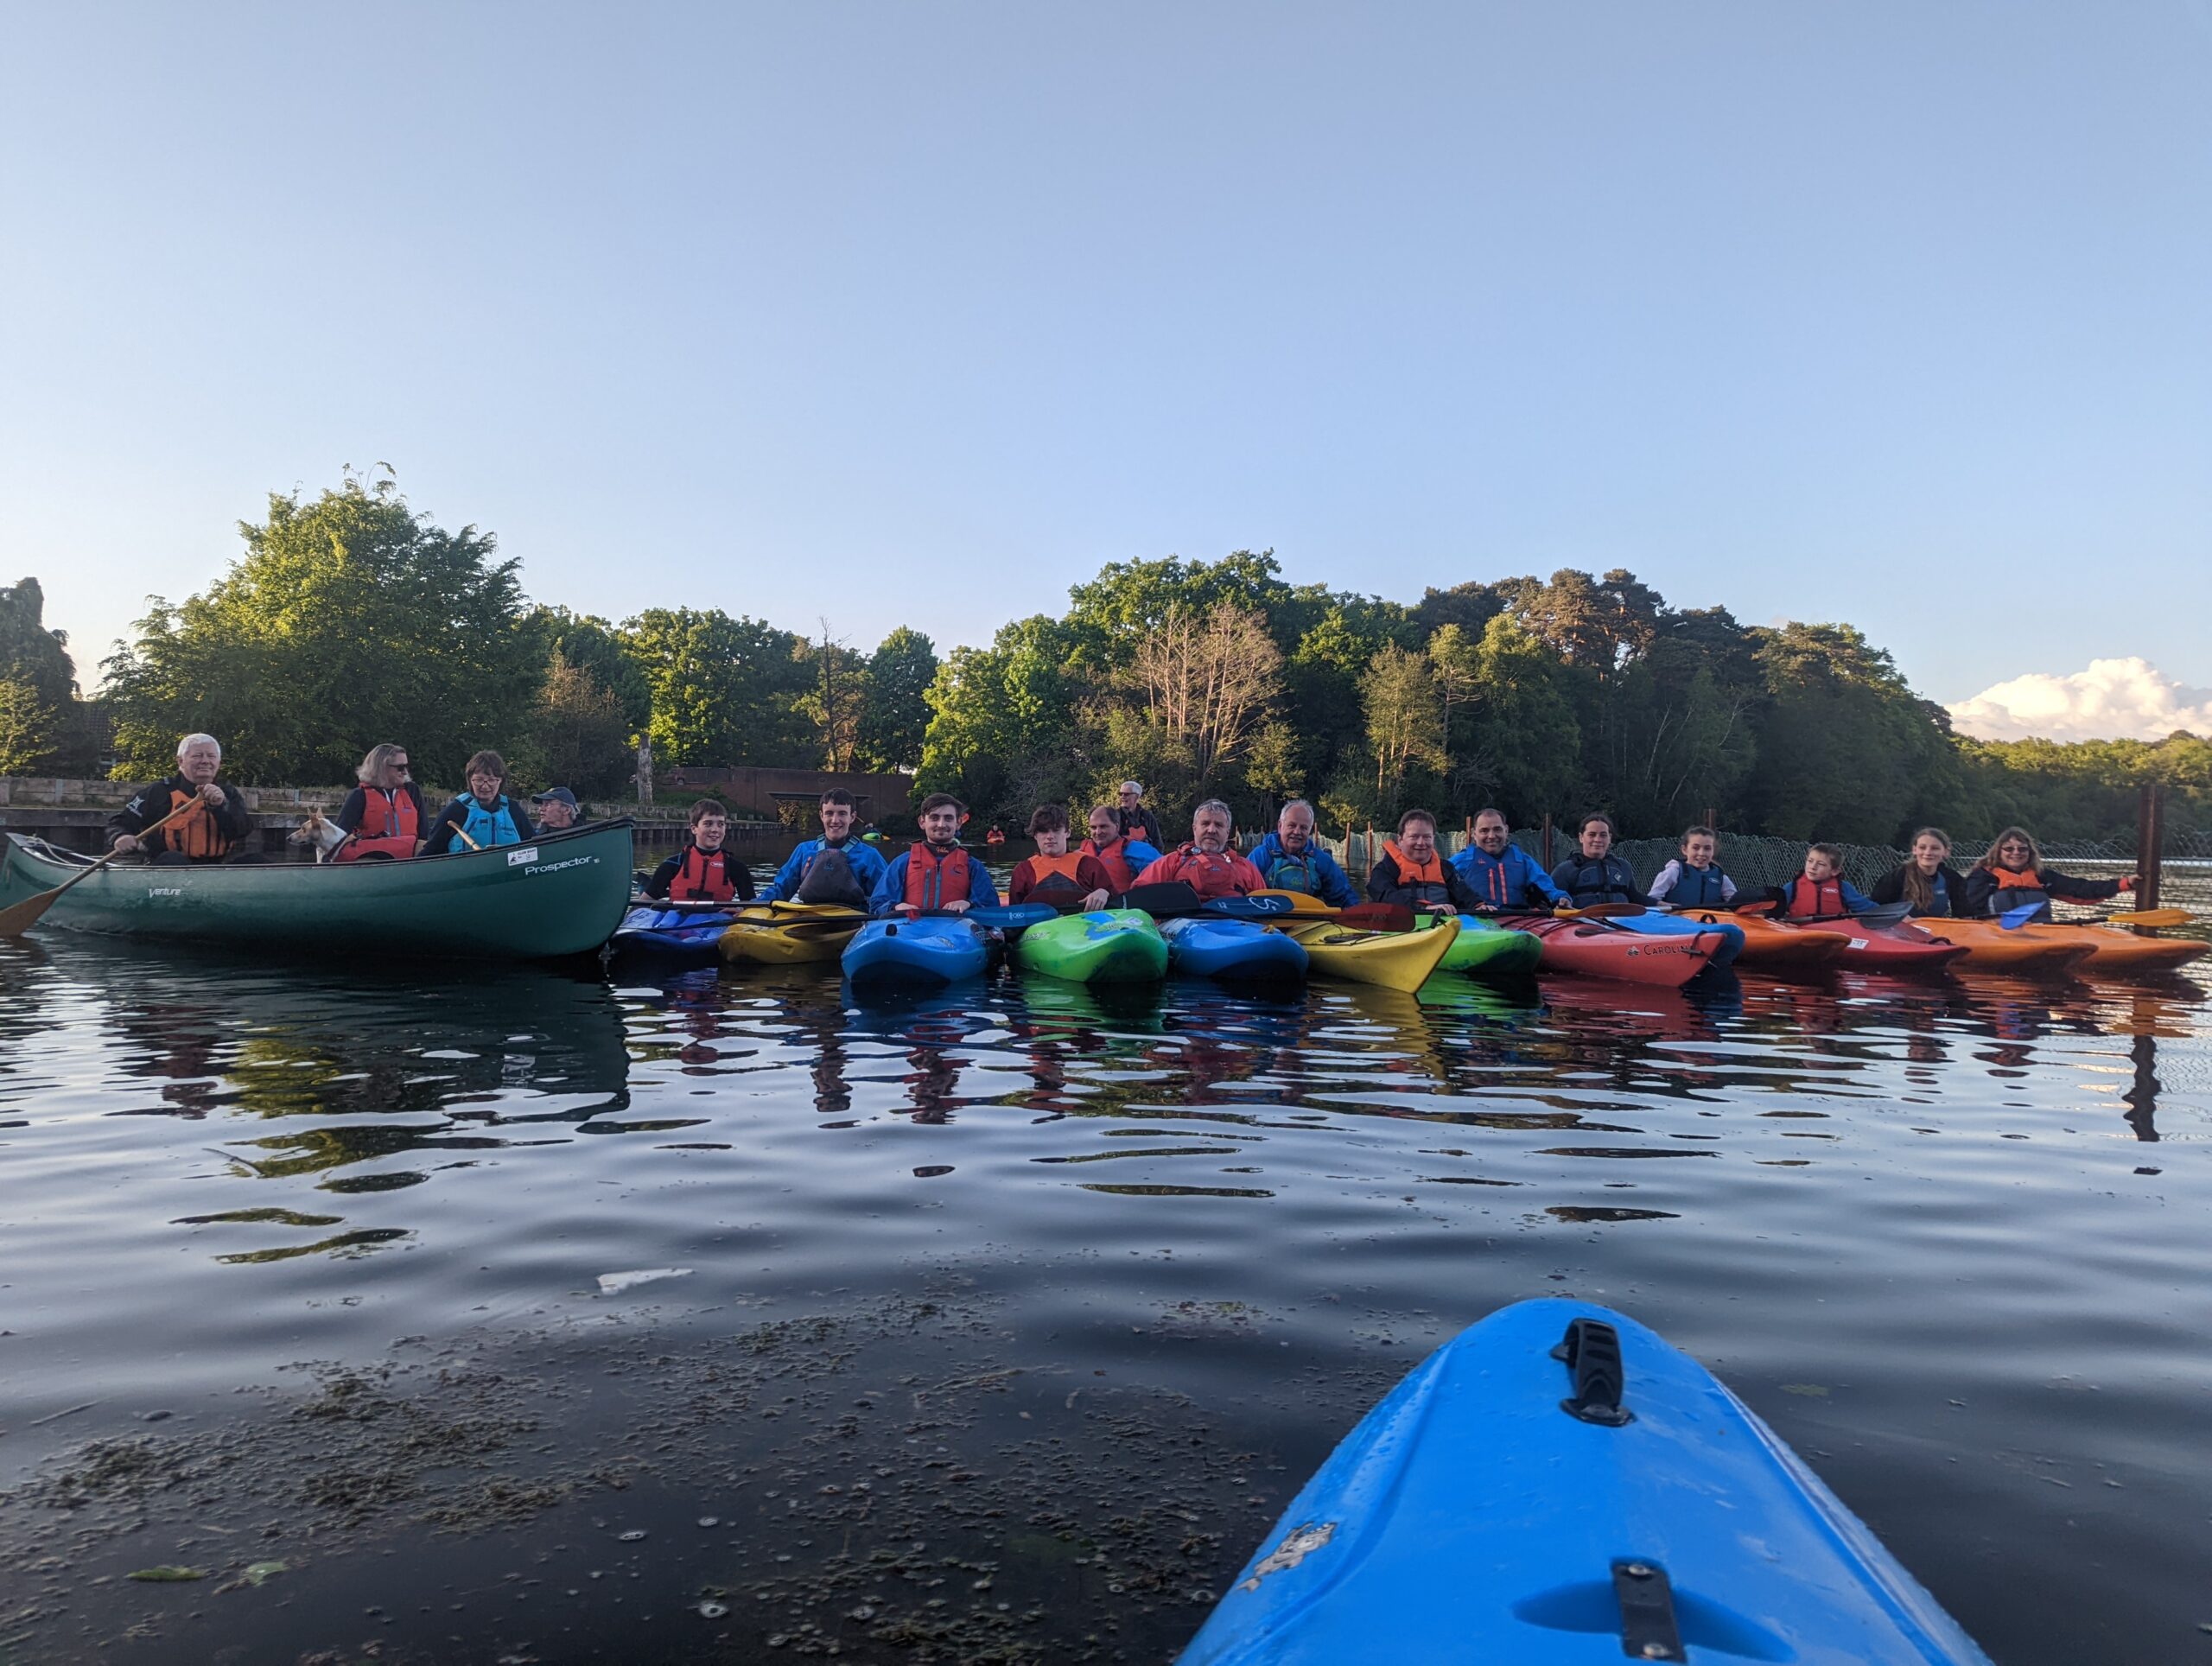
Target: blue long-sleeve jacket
<point>1323,877</point>
<point>868,865</point>
<point>891,889</point>
<point>1505,882</point>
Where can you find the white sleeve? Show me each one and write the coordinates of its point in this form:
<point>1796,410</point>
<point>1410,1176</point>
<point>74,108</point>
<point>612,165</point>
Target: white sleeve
<point>1664,882</point>
<point>1728,889</point>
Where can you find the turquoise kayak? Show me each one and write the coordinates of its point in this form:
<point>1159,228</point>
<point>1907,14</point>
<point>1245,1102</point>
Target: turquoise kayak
<point>1112,946</point>
<point>916,953</point>
<point>1203,945</point>
<point>1558,1486</point>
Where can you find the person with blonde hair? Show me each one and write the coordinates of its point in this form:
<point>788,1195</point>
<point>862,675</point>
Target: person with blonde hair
<point>1925,879</point>
<point>383,817</point>
<point>2011,874</point>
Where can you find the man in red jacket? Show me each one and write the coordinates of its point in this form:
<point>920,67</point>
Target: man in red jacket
<point>1206,863</point>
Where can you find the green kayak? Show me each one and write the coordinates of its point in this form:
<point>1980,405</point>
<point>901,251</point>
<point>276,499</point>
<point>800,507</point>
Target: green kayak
<point>562,894</point>
<point>1484,950</point>
<point>1114,945</point>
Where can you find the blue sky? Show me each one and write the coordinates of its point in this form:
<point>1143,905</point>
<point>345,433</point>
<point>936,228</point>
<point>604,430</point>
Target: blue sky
<point>920,313</point>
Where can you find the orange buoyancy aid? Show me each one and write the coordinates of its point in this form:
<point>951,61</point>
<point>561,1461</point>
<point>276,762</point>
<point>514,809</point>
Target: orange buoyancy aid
<point>702,876</point>
<point>1057,876</point>
<point>2019,890</point>
<point>1212,873</point>
<point>196,834</point>
<point>1113,858</point>
<point>389,827</point>
<point>1418,881</point>
<point>1811,898</point>
<point>935,876</point>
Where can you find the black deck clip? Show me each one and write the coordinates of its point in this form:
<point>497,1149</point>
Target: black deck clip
<point>1592,1349</point>
<point>1647,1628</point>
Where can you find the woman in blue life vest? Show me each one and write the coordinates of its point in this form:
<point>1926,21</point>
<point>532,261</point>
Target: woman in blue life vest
<point>383,817</point>
<point>702,871</point>
<point>1595,874</point>
<point>1926,880</point>
<point>483,816</point>
<point>1694,879</point>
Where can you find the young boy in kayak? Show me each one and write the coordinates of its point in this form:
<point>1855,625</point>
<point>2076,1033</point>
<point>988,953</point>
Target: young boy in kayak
<point>839,867</point>
<point>1410,874</point>
<point>2011,874</point>
<point>1122,854</point>
<point>702,871</point>
<point>1596,874</point>
<point>1694,879</point>
<point>1504,877</point>
<point>483,816</point>
<point>935,874</point>
<point>1822,891</point>
<point>1064,878</point>
<point>1291,859</point>
<point>1206,863</point>
<point>1926,879</point>
<point>216,825</point>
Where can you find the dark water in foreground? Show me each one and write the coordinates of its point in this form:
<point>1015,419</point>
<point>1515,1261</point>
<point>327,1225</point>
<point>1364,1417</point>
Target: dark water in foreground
<point>1013,1318</point>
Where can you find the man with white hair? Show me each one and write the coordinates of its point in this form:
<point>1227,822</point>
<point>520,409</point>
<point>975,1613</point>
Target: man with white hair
<point>1137,820</point>
<point>213,824</point>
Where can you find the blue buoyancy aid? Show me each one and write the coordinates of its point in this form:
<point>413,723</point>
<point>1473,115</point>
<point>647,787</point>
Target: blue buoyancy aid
<point>493,826</point>
<point>1698,887</point>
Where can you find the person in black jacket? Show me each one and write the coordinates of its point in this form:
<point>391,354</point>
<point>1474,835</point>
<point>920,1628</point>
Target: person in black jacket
<point>1412,873</point>
<point>703,869</point>
<point>1137,822</point>
<point>2011,874</point>
<point>1926,879</point>
<point>213,829</point>
<point>1596,874</point>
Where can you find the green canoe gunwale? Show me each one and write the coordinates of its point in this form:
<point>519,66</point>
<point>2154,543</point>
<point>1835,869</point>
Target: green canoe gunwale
<point>558,894</point>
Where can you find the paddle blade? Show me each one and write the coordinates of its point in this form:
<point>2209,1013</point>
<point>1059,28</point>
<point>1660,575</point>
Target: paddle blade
<point>1378,917</point>
<point>2153,918</point>
<point>1013,917</point>
<point>2013,918</point>
<point>1167,898</point>
<point>1886,913</point>
<point>1300,903</point>
<point>1253,908</point>
<point>18,918</point>
<point>1764,906</point>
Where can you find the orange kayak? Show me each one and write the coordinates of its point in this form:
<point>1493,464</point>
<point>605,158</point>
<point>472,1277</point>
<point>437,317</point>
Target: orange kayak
<point>2117,953</point>
<point>1769,946</point>
<point>1990,947</point>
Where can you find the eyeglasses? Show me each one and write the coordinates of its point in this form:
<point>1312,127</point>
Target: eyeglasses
<point>402,765</point>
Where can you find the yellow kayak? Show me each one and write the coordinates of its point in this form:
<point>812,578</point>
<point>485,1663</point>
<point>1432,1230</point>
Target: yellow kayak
<point>1391,960</point>
<point>782,933</point>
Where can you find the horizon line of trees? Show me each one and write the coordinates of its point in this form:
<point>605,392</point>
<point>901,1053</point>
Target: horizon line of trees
<point>350,618</point>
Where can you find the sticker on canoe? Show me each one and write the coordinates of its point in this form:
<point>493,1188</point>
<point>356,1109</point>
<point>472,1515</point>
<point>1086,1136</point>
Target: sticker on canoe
<point>517,858</point>
<point>1861,942</point>
<point>1302,1542</point>
<point>165,891</point>
<point>556,867</point>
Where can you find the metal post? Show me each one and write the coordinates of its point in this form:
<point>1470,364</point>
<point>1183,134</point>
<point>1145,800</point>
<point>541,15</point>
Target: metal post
<point>2150,844</point>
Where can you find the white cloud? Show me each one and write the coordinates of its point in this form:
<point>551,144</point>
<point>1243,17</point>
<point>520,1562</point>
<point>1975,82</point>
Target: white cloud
<point>2115,700</point>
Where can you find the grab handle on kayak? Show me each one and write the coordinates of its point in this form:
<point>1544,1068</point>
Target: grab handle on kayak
<point>1592,1349</point>
<point>1649,1629</point>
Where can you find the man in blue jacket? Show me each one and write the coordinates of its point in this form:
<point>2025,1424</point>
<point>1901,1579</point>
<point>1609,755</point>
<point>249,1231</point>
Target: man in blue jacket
<point>836,867</point>
<point>1291,859</point>
<point>1503,874</point>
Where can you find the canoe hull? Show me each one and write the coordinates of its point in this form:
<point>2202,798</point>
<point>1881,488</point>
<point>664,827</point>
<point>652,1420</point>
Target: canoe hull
<point>562,893</point>
<point>688,937</point>
<point>1990,947</point>
<point>1114,945</point>
<point>2117,953</point>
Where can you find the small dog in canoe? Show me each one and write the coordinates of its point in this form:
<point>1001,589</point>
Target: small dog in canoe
<point>318,831</point>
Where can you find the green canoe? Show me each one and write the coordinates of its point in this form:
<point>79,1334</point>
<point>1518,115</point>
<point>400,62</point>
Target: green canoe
<point>562,893</point>
<point>1114,945</point>
<point>1482,950</point>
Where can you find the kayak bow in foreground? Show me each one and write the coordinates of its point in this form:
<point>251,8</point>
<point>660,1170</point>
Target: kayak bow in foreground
<point>1521,1504</point>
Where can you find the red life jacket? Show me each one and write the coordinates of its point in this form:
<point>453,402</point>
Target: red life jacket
<point>1809,898</point>
<point>935,878</point>
<point>389,827</point>
<point>702,876</point>
<point>195,834</point>
<point>1112,858</point>
<point>1211,872</point>
<point>1055,876</point>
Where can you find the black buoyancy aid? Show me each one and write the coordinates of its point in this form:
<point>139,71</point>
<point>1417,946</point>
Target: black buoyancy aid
<point>1811,898</point>
<point>196,834</point>
<point>1054,878</point>
<point>935,876</point>
<point>702,876</point>
<point>1698,887</point>
<point>1604,878</point>
<point>390,827</point>
<point>828,878</point>
<point>1418,882</point>
<point>2020,890</point>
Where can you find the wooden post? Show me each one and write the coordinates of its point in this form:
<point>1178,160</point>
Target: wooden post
<point>1711,818</point>
<point>1549,863</point>
<point>1368,850</point>
<point>2150,845</point>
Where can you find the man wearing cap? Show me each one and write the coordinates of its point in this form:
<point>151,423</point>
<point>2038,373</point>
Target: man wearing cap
<point>557,809</point>
<point>1137,822</point>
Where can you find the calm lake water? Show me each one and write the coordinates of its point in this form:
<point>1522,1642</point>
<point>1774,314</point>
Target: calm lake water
<point>1008,1321</point>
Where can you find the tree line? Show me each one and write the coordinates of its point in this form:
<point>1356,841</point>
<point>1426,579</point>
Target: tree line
<point>350,617</point>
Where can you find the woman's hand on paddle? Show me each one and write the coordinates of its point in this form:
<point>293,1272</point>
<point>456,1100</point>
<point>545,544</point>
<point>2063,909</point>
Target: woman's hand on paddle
<point>1096,900</point>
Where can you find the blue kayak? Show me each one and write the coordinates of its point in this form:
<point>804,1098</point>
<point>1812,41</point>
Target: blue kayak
<point>916,953</point>
<point>1204,946</point>
<point>672,933</point>
<point>1656,924</point>
<point>1502,1505</point>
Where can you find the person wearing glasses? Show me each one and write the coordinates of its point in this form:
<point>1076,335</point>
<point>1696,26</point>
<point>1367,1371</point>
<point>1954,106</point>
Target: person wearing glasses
<point>482,817</point>
<point>2011,874</point>
<point>382,819</point>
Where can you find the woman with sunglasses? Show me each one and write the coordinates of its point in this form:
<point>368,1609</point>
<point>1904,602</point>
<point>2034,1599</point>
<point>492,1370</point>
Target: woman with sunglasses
<point>2011,874</point>
<point>383,817</point>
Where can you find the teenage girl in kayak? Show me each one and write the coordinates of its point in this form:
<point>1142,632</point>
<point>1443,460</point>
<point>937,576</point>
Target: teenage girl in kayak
<point>1926,880</point>
<point>2012,874</point>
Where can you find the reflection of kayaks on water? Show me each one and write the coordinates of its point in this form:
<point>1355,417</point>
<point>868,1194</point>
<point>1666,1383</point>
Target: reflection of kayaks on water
<point>1203,946</point>
<point>1389,960</point>
<point>1559,1486</point>
<point>916,953</point>
<point>1112,946</point>
<point>789,933</point>
<point>1592,947</point>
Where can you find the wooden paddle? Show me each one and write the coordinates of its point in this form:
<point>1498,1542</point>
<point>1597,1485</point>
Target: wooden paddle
<point>20,916</point>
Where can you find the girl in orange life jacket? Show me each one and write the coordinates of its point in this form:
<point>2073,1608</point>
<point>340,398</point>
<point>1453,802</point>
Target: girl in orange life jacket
<point>1064,878</point>
<point>2011,874</point>
<point>702,871</point>
<point>209,831</point>
<point>1410,873</point>
<point>384,814</point>
<point>1207,864</point>
<point>935,875</point>
<point>1822,891</point>
<point>1123,855</point>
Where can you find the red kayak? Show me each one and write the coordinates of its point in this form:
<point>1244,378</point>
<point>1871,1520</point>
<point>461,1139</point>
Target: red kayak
<point>1592,949</point>
<point>1900,948</point>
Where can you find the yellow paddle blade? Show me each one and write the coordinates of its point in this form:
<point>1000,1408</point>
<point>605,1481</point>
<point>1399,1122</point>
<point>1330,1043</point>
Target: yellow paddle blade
<point>2153,917</point>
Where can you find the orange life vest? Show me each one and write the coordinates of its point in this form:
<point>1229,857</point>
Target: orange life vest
<point>2020,890</point>
<point>1210,873</point>
<point>936,877</point>
<point>389,827</point>
<point>195,834</point>
<point>1810,898</point>
<point>702,876</point>
<point>1110,858</point>
<point>1418,881</point>
<point>1057,876</point>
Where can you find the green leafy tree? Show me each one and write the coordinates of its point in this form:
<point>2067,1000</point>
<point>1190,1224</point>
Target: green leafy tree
<point>38,684</point>
<point>349,619</point>
<point>578,735</point>
<point>1002,721</point>
<point>725,691</point>
<point>1846,750</point>
<point>29,727</point>
<point>587,643</point>
<point>895,716</point>
<point>1523,742</point>
<point>1405,719</point>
